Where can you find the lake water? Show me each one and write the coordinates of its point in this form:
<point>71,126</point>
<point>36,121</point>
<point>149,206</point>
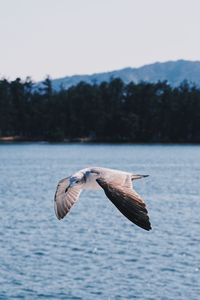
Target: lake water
<point>95,252</point>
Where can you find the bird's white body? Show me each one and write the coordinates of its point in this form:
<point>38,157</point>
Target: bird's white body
<point>120,177</point>
<point>91,183</point>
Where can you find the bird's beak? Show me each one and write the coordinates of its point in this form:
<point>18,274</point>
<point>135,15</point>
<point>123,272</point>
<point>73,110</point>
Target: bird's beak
<point>134,177</point>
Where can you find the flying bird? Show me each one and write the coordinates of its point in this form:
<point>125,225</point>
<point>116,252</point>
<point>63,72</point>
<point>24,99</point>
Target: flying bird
<point>117,186</point>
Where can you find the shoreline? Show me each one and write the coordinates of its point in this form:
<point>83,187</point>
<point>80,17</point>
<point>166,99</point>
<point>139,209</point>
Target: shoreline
<point>86,140</point>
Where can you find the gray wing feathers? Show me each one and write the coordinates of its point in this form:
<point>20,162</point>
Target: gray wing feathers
<point>129,203</point>
<point>65,197</point>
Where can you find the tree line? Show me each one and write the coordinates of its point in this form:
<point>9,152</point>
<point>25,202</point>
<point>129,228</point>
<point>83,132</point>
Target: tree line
<point>107,112</point>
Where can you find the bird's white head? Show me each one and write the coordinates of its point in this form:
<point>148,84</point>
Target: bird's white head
<point>77,179</point>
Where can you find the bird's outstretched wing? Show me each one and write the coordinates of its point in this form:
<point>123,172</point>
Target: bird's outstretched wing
<point>129,203</point>
<point>65,197</point>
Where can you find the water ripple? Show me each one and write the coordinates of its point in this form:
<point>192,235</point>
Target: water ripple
<point>95,253</point>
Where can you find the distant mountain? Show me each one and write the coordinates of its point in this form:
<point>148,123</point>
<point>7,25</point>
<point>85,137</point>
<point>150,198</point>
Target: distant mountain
<point>173,71</point>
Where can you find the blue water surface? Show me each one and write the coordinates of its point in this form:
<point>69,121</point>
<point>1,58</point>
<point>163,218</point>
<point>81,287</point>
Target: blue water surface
<point>95,252</point>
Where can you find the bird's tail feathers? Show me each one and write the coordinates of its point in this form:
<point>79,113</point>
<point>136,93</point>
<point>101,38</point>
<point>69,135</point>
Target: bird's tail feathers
<point>134,177</point>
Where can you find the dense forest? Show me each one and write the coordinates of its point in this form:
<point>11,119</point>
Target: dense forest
<point>107,112</point>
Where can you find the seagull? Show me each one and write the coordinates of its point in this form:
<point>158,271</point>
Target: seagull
<point>117,186</point>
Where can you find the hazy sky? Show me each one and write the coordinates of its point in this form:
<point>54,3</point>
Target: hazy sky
<point>66,37</point>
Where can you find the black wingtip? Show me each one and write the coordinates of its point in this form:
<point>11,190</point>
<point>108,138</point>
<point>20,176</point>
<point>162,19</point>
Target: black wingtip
<point>147,228</point>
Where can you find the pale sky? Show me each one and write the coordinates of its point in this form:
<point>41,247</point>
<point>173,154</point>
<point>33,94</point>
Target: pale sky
<point>67,37</point>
